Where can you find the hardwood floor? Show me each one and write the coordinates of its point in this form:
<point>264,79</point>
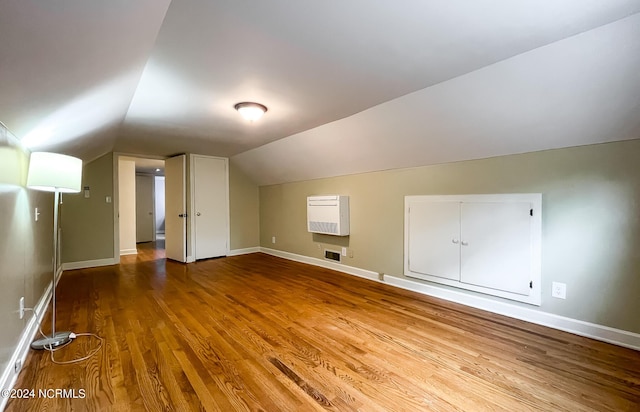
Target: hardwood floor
<point>260,333</point>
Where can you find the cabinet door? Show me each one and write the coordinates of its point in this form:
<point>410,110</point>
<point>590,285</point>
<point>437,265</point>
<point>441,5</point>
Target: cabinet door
<point>434,234</point>
<point>495,249</point>
<point>210,206</point>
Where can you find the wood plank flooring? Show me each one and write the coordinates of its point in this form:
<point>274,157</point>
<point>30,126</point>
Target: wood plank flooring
<point>259,333</point>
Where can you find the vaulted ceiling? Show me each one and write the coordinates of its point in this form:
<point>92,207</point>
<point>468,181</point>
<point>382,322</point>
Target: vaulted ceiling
<point>351,86</point>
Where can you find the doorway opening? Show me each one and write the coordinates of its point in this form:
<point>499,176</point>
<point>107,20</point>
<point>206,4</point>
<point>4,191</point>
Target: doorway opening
<point>141,207</point>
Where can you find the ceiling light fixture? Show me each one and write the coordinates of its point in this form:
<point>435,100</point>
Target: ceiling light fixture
<point>251,111</point>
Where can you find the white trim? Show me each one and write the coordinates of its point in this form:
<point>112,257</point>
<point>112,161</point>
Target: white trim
<point>245,251</point>
<point>9,376</point>
<point>90,263</point>
<point>125,252</point>
<point>603,333</point>
<point>115,203</point>
<point>363,273</point>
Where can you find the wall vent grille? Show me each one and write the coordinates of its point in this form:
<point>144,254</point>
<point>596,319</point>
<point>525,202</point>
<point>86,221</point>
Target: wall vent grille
<point>332,255</point>
<point>324,227</point>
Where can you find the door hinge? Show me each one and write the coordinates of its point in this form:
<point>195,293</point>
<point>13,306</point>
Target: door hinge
<point>531,285</point>
<point>530,212</point>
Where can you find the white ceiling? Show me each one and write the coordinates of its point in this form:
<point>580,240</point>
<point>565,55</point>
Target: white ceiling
<point>350,86</point>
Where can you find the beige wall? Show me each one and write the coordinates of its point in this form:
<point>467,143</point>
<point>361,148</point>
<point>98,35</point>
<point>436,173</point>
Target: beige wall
<point>127,205</point>
<point>26,246</point>
<point>243,210</point>
<point>590,222</point>
<point>87,224</point>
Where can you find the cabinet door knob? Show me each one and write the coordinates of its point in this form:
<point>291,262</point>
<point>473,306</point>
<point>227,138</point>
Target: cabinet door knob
<point>198,214</point>
<point>464,243</point>
<point>454,240</point>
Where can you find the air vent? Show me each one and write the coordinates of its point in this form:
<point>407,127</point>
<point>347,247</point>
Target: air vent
<point>332,255</point>
<point>323,227</point>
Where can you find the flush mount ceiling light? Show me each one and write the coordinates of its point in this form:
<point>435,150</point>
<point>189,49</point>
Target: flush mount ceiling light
<point>251,111</point>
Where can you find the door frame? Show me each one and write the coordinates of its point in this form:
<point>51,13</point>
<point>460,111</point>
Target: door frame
<point>115,197</point>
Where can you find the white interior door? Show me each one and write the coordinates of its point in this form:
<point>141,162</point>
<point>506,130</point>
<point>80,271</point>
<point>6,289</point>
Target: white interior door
<point>434,236</point>
<point>210,207</point>
<point>495,247</point>
<point>145,219</point>
<point>175,208</point>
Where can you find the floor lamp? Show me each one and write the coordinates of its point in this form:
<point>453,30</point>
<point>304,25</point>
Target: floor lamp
<point>52,172</point>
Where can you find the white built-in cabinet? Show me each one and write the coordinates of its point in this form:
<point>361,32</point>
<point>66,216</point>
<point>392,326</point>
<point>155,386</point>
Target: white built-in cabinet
<point>485,243</point>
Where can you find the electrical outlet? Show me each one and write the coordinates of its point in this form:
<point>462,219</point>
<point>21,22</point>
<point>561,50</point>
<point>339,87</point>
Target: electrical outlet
<point>273,239</point>
<point>21,304</point>
<point>344,251</point>
<point>559,290</point>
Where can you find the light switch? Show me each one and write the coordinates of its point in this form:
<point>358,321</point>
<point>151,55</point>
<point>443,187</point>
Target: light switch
<point>36,214</point>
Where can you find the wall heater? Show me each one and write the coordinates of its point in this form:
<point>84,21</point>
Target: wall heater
<point>328,215</point>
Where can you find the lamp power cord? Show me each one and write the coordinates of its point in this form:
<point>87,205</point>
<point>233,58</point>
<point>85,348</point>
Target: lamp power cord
<point>72,337</point>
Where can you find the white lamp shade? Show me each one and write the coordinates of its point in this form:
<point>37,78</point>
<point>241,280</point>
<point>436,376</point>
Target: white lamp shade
<point>51,171</point>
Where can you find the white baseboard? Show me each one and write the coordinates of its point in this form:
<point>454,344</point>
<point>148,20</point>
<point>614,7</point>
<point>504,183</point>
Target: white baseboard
<point>367,274</point>
<point>10,375</point>
<point>245,251</point>
<point>90,263</point>
<point>124,252</point>
<point>577,327</point>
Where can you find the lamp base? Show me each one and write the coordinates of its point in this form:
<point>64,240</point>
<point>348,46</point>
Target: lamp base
<point>52,342</point>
